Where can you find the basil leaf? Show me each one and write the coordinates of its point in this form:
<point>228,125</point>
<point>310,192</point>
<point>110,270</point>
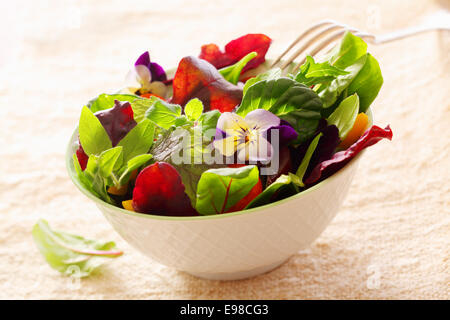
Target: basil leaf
<point>306,159</point>
<point>108,160</point>
<point>163,114</point>
<point>138,140</point>
<point>193,109</point>
<point>71,254</point>
<point>271,74</point>
<point>367,83</point>
<point>132,165</point>
<point>93,136</point>
<point>219,189</point>
<point>208,120</point>
<point>140,107</point>
<point>233,72</point>
<point>282,184</point>
<point>345,115</point>
<point>106,101</point>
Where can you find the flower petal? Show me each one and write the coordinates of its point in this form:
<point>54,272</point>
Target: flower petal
<point>144,76</point>
<point>257,149</point>
<point>227,146</point>
<point>231,122</point>
<point>158,73</point>
<point>143,60</point>
<point>261,119</point>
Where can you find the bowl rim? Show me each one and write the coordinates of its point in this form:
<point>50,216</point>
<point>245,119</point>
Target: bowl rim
<point>73,176</point>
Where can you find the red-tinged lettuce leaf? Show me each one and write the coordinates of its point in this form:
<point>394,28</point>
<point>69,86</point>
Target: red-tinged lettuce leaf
<point>236,50</point>
<point>197,78</point>
<point>340,159</point>
<point>159,190</point>
<point>117,121</point>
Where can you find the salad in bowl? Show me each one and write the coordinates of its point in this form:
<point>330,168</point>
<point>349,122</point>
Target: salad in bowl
<point>224,136</point>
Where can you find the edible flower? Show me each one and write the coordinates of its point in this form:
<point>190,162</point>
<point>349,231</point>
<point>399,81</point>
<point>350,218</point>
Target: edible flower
<point>147,77</point>
<point>246,136</point>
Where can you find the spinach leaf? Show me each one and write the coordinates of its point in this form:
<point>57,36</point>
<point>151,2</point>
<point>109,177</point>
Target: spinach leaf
<point>367,83</point>
<point>163,114</point>
<point>219,189</point>
<point>106,101</point>
<point>138,140</point>
<point>93,136</point>
<point>193,109</point>
<point>71,254</point>
<point>345,115</point>
<point>233,72</point>
<point>306,159</point>
<point>270,74</point>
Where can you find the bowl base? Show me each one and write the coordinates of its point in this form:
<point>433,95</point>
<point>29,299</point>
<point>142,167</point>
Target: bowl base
<point>239,275</point>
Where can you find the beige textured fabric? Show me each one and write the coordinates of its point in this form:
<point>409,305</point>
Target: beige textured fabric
<point>390,239</point>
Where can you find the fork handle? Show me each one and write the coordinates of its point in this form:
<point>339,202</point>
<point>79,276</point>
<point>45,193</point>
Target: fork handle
<point>397,35</point>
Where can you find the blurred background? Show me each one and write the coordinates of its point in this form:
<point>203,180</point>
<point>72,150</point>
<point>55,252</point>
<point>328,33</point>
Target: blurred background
<point>391,238</point>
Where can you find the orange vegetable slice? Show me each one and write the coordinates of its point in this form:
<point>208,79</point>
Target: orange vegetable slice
<point>359,127</point>
<point>128,205</point>
<point>118,191</point>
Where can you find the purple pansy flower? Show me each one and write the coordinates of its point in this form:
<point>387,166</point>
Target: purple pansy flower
<point>147,76</point>
<point>245,136</point>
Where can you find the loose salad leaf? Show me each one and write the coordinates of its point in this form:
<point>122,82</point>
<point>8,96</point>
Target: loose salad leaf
<point>288,99</point>
<point>236,50</point>
<point>193,109</point>
<point>340,159</point>
<point>159,190</point>
<point>345,115</point>
<point>220,189</point>
<point>117,121</point>
<point>367,83</point>
<point>196,78</point>
<point>70,254</point>
<point>233,72</point>
<point>106,101</point>
<point>93,137</point>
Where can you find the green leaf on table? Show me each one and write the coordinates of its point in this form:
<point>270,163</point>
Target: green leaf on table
<point>106,101</point>
<point>345,115</point>
<point>93,136</point>
<point>193,109</point>
<point>138,140</point>
<point>163,114</point>
<point>367,83</point>
<point>284,183</point>
<point>233,72</point>
<point>289,100</point>
<point>306,159</point>
<point>270,74</point>
<point>70,254</point>
<point>220,189</point>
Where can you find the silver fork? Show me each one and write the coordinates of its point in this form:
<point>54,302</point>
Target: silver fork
<point>331,31</point>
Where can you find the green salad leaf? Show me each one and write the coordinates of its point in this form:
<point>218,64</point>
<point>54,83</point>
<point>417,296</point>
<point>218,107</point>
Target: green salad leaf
<point>345,115</point>
<point>193,109</point>
<point>270,74</point>
<point>220,189</point>
<point>285,185</point>
<point>70,254</point>
<point>312,73</point>
<point>140,107</point>
<point>367,83</point>
<point>108,160</point>
<point>138,140</point>
<point>93,136</point>
<point>233,72</point>
<point>132,165</point>
<point>350,49</point>
<point>306,159</point>
<point>163,114</point>
<point>208,120</point>
<point>106,101</point>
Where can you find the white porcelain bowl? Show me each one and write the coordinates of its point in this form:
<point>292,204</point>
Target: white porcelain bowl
<point>234,245</point>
